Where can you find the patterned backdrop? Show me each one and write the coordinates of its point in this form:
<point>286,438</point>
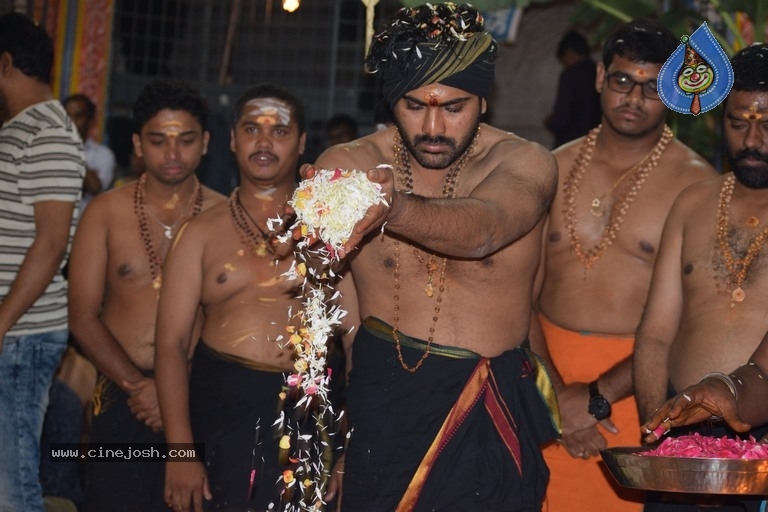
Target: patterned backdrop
<point>81,32</point>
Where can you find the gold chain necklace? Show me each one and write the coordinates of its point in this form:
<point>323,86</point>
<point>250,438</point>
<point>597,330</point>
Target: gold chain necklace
<point>596,207</point>
<point>619,210</point>
<point>737,267</point>
<point>405,178</point>
<point>140,209</point>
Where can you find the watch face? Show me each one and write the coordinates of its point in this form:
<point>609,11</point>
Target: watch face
<point>599,407</point>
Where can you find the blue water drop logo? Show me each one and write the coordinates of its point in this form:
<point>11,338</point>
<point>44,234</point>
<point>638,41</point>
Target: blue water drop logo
<point>698,76</point>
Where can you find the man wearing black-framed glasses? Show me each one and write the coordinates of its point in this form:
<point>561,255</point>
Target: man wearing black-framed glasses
<point>623,83</point>
<point>616,186</point>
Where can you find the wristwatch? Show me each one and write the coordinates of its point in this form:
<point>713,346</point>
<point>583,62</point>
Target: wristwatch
<point>599,407</point>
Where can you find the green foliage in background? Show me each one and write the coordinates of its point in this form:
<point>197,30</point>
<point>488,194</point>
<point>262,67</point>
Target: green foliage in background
<point>599,17</point>
<point>703,132</point>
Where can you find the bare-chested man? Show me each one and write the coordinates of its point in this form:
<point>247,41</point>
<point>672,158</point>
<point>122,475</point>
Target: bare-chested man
<point>442,398</point>
<point>707,305</point>
<point>115,277</point>
<point>227,262</point>
<point>616,186</point>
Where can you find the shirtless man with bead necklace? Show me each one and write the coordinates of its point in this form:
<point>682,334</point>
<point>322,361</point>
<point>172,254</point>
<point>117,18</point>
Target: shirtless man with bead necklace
<point>443,278</point>
<point>706,310</point>
<point>228,264</point>
<point>616,186</point>
<point>116,275</point>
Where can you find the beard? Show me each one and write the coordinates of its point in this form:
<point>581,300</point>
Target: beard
<point>438,161</point>
<point>751,176</point>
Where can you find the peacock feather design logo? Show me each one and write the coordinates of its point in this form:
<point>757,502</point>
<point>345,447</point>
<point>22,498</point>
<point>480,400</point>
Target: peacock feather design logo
<point>697,76</point>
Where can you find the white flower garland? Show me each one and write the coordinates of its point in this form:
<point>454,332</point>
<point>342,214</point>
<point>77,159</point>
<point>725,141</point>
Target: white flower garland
<point>327,207</point>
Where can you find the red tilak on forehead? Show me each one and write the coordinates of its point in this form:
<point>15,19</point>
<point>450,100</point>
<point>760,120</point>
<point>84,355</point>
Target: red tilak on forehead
<point>432,99</point>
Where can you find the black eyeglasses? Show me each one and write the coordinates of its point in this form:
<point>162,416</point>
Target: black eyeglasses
<point>622,83</point>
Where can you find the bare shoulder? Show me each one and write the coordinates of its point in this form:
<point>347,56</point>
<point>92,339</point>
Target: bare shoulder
<point>688,165</point>
<point>210,221</point>
<point>364,153</point>
<point>208,227</point>
<point>126,191</point>
<point>116,202</point>
<point>211,197</point>
<point>694,202</point>
<point>567,153</point>
<point>523,158</point>
<point>702,193</point>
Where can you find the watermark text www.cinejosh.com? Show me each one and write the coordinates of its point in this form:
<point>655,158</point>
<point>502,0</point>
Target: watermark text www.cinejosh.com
<point>61,452</point>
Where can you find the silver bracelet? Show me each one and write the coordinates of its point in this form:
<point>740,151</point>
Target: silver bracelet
<point>724,378</point>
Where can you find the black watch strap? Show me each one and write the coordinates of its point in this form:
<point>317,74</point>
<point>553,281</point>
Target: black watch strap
<point>598,407</point>
<point>593,391</point>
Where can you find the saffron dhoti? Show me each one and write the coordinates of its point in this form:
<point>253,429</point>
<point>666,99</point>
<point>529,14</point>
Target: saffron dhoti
<point>586,485</point>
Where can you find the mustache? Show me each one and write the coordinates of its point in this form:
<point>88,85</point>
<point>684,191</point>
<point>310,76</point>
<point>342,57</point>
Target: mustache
<point>750,153</point>
<point>262,152</point>
<point>437,139</point>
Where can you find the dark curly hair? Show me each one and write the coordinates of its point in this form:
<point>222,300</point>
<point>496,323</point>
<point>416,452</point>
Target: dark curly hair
<point>29,45</point>
<point>90,106</point>
<point>167,94</point>
<point>445,22</point>
<point>750,68</point>
<point>642,40</point>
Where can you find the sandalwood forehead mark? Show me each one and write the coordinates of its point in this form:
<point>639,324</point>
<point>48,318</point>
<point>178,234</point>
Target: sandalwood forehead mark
<point>270,111</point>
<point>171,128</point>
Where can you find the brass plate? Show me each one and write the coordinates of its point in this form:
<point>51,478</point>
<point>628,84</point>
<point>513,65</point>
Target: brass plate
<point>685,474</point>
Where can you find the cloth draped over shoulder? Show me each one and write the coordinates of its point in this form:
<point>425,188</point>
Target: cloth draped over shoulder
<point>462,433</point>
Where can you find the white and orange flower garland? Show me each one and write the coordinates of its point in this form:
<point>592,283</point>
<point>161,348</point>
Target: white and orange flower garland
<point>327,207</point>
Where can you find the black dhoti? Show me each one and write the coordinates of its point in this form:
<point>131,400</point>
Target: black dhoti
<point>461,433</point>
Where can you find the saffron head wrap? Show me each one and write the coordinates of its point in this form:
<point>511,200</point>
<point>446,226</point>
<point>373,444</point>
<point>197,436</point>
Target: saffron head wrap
<point>444,43</point>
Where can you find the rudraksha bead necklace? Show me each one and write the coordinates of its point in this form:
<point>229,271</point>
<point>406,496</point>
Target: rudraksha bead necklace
<point>140,208</point>
<point>738,268</point>
<point>260,245</point>
<point>405,178</point>
<point>619,210</point>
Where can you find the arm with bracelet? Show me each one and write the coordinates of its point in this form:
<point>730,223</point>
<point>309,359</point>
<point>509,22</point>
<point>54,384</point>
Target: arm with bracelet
<point>751,384</point>
<point>739,399</point>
